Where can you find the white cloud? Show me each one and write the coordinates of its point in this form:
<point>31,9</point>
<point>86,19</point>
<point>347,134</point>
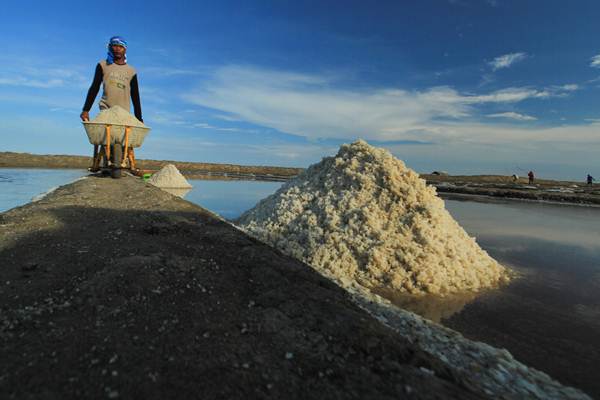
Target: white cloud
<point>39,74</point>
<point>164,72</point>
<point>310,106</point>
<point>595,61</point>
<point>507,60</point>
<point>168,146</point>
<point>34,83</point>
<point>512,115</point>
<point>570,87</point>
<point>204,125</point>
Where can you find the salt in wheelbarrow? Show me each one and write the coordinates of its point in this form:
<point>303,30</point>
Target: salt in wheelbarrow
<point>113,146</point>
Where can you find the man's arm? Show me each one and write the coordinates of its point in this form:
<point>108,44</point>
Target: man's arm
<point>135,98</point>
<point>92,93</point>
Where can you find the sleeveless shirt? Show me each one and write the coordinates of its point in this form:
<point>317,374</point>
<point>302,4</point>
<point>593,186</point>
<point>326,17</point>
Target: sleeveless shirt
<point>116,85</point>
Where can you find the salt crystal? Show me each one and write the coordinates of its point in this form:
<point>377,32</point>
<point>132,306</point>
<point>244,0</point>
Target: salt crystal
<point>363,216</point>
<point>169,177</point>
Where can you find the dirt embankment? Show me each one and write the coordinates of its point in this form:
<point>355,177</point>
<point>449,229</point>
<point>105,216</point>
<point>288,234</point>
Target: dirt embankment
<point>504,187</point>
<point>115,289</point>
<point>189,169</point>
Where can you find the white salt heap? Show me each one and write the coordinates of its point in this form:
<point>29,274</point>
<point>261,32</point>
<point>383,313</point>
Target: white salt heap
<point>364,217</point>
<point>117,116</point>
<point>169,177</point>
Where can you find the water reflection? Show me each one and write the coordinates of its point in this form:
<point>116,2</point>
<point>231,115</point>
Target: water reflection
<point>179,192</point>
<point>231,198</point>
<point>435,308</point>
<point>549,318</point>
<point>19,186</point>
<point>575,225</point>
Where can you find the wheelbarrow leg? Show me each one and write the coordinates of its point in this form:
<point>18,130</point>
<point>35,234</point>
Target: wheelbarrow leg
<point>95,160</point>
<point>125,153</point>
<point>107,147</point>
<point>131,156</point>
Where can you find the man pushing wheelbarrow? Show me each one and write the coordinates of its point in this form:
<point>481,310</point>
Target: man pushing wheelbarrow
<point>114,134</point>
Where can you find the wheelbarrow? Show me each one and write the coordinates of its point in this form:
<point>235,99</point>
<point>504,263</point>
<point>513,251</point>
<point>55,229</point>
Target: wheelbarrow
<point>113,146</point>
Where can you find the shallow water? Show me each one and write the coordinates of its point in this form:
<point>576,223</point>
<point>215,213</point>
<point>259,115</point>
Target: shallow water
<point>558,243</point>
<point>550,317</point>
<point>230,198</point>
<point>226,198</point>
<point>20,186</point>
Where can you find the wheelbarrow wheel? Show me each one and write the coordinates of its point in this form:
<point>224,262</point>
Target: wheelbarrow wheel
<point>117,157</point>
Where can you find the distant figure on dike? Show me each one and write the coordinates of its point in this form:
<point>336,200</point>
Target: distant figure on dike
<point>515,177</point>
<point>119,79</point>
<point>590,179</point>
<point>531,177</point>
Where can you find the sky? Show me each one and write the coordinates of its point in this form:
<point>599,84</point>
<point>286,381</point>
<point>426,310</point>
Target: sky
<point>463,86</point>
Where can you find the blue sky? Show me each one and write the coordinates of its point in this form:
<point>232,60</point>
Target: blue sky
<point>466,86</point>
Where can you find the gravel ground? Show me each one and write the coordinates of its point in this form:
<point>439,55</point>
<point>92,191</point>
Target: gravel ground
<point>116,289</point>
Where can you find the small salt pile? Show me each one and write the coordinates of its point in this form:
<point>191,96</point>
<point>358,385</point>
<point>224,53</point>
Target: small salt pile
<point>117,116</point>
<point>170,180</point>
<point>364,217</point>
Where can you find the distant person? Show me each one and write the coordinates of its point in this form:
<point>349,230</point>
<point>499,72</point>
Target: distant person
<point>531,177</point>
<point>119,79</point>
<point>590,179</point>
<point>515,177</point>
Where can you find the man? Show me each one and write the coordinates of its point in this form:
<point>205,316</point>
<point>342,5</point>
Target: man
<point>119,81</point>
<point>120,84</point>
<point>531,177</point>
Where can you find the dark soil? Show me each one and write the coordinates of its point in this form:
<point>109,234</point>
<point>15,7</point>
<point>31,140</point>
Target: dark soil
<point>195,170</point>
<point>116,289</point>
<point>565,192</point>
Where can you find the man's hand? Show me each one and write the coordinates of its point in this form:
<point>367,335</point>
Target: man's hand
<point>85,116</point>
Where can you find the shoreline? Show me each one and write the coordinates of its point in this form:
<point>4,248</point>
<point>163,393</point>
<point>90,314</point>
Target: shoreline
<point>482,198</point>
<point>493,186</point>
<point>26,160</point>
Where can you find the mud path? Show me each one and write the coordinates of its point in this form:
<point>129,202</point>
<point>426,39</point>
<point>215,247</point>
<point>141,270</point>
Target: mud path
<point>115,289</point>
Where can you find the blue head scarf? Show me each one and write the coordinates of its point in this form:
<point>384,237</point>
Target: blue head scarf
<point>115,40</point>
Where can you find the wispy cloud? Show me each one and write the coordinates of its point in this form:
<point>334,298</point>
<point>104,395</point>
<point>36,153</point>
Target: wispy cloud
<point>506,60</point>
<point>312,106</point>
<point>512,115</point>
<point>595,61</point>
<point>204,125</point>
<point>568,88</point>
<point>36,73</point>
<point>170,72</point>
<point>34,83</point>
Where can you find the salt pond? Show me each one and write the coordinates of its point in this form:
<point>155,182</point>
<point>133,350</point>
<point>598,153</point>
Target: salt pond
<point>549,318</point>
<point>20,186</point>
<point>226,198</point>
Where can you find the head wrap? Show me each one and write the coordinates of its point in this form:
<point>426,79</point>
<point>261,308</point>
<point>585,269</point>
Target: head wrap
<point>115,40</point>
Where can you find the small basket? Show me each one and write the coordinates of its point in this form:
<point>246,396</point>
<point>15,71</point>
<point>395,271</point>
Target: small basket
<point>97,133</point>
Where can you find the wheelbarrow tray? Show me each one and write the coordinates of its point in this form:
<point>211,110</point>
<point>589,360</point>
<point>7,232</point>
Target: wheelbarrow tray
<point>96,133</point>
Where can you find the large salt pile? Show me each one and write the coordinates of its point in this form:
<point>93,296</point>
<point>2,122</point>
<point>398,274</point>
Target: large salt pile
<point>116,115</point>
<point>170,180</point>
<point>363,216</point>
